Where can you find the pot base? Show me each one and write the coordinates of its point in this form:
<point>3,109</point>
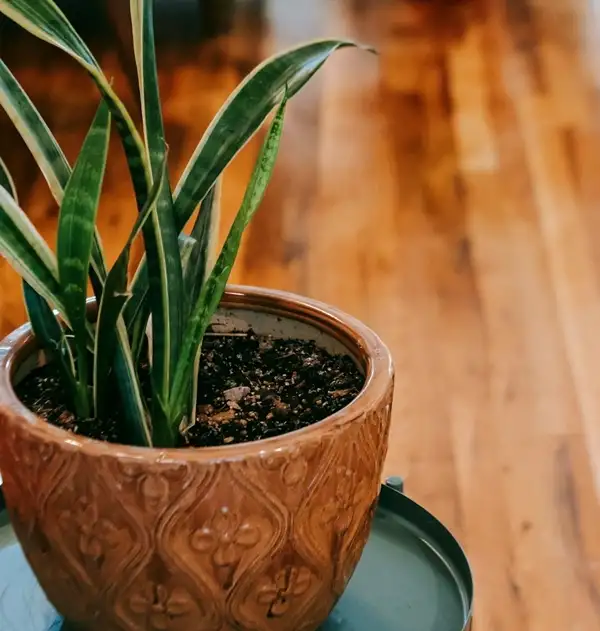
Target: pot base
<point>413,576</point>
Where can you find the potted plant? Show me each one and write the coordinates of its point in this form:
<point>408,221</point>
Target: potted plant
<point>176,453</point>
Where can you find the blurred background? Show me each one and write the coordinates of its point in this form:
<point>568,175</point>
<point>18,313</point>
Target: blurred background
<point>447,193</point>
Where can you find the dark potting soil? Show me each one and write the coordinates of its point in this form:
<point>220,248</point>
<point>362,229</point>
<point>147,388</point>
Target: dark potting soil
<point>249,388</point>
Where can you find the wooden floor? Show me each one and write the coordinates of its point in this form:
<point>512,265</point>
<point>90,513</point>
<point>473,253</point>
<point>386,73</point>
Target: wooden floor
<point>447,193</point>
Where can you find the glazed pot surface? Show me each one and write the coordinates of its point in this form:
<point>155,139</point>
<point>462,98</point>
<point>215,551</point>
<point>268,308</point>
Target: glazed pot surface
<point>259,536</point>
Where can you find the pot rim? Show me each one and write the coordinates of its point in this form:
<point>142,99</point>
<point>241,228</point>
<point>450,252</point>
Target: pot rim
<point>359,339</point>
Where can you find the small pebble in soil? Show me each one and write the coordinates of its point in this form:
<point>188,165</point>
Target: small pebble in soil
<point>249,388</point>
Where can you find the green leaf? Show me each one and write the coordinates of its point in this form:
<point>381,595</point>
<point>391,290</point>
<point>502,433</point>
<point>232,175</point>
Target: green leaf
<point>44,321</point>
<point>243,114</point>
<point>187,245</point>
<point>77,220</point>
<point>142,21</point>
<point>35,133</point>
<point>193,263</point>
<point>44,148</point>
<point>136,418</point>
<point>205,234</point>
<point>114,297</point>
<point>235,123</point>
<point>61,34</point>
<point>51,336</point>
<point>112,302</point>
<point>165,293</point>
<point>7,182</point>
<point>46,21</point>
<point>23,247</point>
<point>138,298</point>
<point>214,287</point>
<point>130,139</point>
<point>162,252</point>
<point>137,326</point>
<point>189,253</point>
<point>198,257</point>
<point>159,244</point>
<point>189,420</point>
<point>162,432</point>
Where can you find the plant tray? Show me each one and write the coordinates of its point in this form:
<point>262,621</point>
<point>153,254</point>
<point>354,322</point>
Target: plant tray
<point>413,576</point>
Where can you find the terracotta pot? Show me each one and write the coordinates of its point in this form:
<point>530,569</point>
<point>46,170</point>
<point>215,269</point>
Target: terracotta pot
<point>260,536</point>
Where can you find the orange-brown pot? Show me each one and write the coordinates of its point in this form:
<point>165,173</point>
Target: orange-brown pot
<point>261,536</point>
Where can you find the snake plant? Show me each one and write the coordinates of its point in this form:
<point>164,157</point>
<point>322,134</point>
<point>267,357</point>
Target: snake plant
<point>180,279</point>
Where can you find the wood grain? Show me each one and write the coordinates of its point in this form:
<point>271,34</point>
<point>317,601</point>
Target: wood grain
<point>447,193</point>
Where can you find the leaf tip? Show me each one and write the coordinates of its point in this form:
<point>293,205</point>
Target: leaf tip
<point>364,47</point>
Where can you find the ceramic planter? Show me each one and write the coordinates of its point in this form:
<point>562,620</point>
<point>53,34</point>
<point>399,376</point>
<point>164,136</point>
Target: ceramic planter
<point>261,536</point>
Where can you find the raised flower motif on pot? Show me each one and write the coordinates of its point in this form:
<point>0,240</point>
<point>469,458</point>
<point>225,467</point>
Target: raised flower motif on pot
<point>292,464</point>
<point>294,471</point>
<point>96,534</point>
<point>277,594</point>
<point>155,490</point>
<point>226,537</point>
<point>161,606</point>
<point>349,494</point>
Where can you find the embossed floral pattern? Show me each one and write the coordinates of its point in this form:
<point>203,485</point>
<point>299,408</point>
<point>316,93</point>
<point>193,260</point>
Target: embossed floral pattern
<point>95,534</point>
<point>226,537</point>
<point>289,584</point>
<point>154,488</point>
<point>292,464</point>
<point>161,606</point>
<point>294,471</point>
<point>348,496</point>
